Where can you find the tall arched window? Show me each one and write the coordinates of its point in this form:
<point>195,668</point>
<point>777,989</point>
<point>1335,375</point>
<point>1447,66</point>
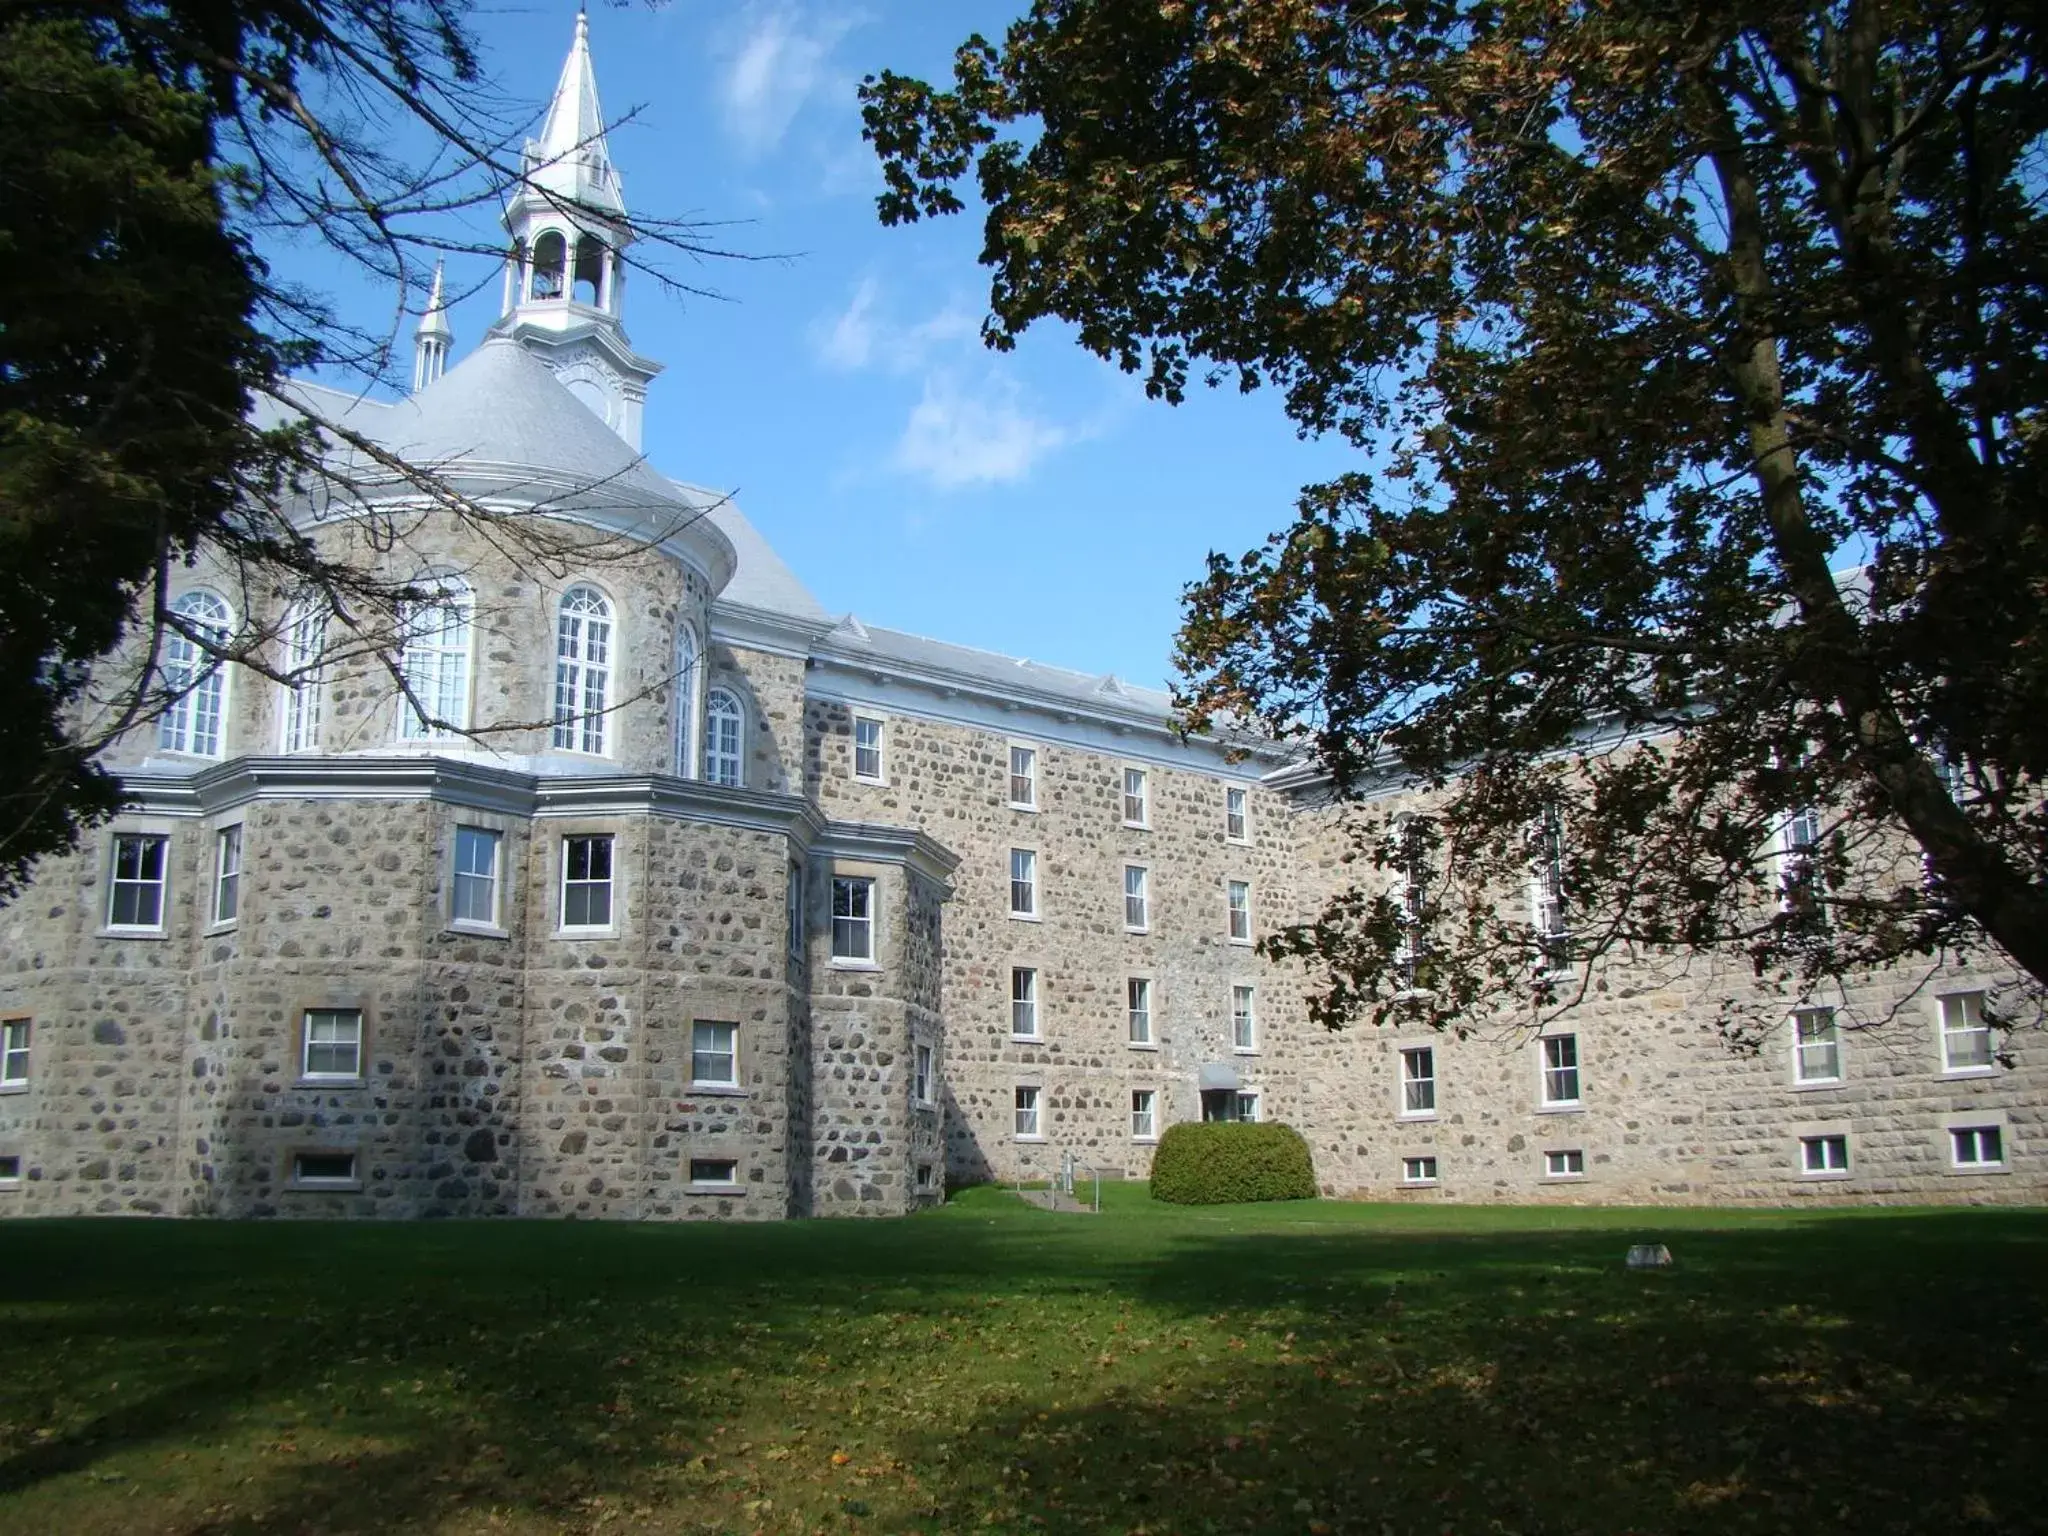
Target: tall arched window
<point>587,285</point>
<point>194,677</point>
<point>435,665</point>
<point>305,637</point>
<point>550,259</point>
<point>723,738</point>
<point>583,670</point>
<point>684,690</point>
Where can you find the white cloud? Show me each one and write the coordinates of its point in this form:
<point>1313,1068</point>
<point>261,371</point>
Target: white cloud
<point>957,438</point>
<point>847,343</point>
<point>857,337</point>
<point>777,57</point>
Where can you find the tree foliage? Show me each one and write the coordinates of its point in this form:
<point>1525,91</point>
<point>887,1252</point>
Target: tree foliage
<point>1650,322</point>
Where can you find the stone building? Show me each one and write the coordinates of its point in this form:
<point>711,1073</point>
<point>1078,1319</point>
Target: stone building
<point>657,891</point>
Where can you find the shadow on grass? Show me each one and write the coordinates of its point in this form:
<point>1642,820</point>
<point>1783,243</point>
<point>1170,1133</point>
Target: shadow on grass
<point>996,1365</point>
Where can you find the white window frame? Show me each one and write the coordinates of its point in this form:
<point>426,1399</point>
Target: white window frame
<point>683,690</point>
<point>880,774</point>
<point>227,875</point>
<point>461,880</point>
<point>1141,896</point>
<point>1557,1165</point>
<point>1547,896</point>
<point>1411,898</point>
<point>1251,1106</point>
<point>1237,896</point>
<point>609,884</point>
<point>1969,1006</point>
<point>1244,1018</point>
<point>702,1030</point>
<point>1140,1007</point>
<point>923,1074</point>
<point>307,1045</point>
<point>725,761</point>
<point>304,636</point>
<point>437,639</point>
<point>1029,776</point>
<point>1826,1047</point>
<point>1799,839</point>
<point>1817,1151</point>
<point>585,660</point>
<point>1418,1170</point>
<point>1976,1128</point>
<point>1549,1062</point>
<point>10,1170</point>
<point>1025,1023</point>
<point>161,884</point>
<point>856,923</point>
<point>1028,1103</point>
<point>17,1042</point>
<point>1413,1085</point>
<point>1137,794</point>
<point>1144,1114</point>
<point>1237,812</point>
<point>195,722</point>
<point>731,1181</point>
<point>1024,883</point>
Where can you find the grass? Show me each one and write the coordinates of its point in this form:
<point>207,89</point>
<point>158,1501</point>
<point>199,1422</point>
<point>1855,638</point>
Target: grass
<point>1304,1368</point>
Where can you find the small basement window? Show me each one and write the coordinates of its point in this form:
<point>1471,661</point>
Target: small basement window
<point>1568,1164</point>
<point>714,1170</point>
<point>1418,1170</point>
<point>10,1168</point>
<point>319,1170</point>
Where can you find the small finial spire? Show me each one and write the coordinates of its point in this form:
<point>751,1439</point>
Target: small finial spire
<point>433,337</point>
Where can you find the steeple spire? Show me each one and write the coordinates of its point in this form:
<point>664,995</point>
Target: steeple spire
<point>565,274</point>
<point>432,339</point>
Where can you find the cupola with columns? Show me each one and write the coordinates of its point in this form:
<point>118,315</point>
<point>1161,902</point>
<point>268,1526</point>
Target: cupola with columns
<point>565,272</point>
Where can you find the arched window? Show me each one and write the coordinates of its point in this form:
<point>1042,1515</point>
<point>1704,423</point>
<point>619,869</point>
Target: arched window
<point>193,676</point>
<point>684,690</point>
<point>305,637</point>
<point>550,258</point>
<point>435,665</point>
<point>583,670</point>
<point>723,738</point>
<point>588,284</point>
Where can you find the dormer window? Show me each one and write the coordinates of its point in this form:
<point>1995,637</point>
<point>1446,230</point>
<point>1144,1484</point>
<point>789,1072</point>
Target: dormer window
<point>550,261</point>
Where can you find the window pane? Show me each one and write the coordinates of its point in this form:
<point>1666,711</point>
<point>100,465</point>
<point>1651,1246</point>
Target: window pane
<point>713,1050</point>
<point>1023,1001</point>
<point>476,876</point>
<point>334,1042</point>
<point>1023,776</point>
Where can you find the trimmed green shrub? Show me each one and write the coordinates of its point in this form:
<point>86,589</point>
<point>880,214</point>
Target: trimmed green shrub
<point>1225,1163</point>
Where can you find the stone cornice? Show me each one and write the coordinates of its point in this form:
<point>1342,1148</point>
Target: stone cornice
<point>873,843</point>
<point>762,629</point>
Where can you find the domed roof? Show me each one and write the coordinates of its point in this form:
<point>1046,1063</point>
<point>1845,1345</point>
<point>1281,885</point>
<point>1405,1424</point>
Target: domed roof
<point>500,428</point>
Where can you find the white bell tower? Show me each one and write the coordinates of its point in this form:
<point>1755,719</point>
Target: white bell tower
<point>565,275</point>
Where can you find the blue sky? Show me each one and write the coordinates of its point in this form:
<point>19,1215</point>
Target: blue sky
<point>1033,503</point>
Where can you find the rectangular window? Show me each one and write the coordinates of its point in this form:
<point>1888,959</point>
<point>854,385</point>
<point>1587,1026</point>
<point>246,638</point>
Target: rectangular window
<point>714,1170</point>
<point>924,1175</point>
<point>474,897</point>
<point>1965,1035</point>
<point>1418,1170</point>
<point>867,749</point>
<point>227,874</point>
<point>1546,895</point>
<point>1023,883</point>
<point>1139,994</point>
<point>1244,1023</point>
<point>1136,811</point>
<point>921,1082</point>
<point>10,1169</point>
<point>853,918</point>
<point>1564,1165</point>
<point>135,894</point>
<point>1816,1046</point>
<point>1137,900</point>
<point>1237,815</point>
<point>1801,889</point>
<point>14,1035</point>
<point>1240,912</point>
<point>587,881</point>
<point>330,1170</point>
<point>1561,1069</point>
<point>1418,1081</point>
<point>1027,1113</point>
<point>793,912</point>
<point>1023,1002</point>
<point>1247,1106</point>
<point>1023,778</point>
<point>1144,1115</point>
<point>1412,836</point>
<point>1823,1154</point>
<point>1977,1146</point>
<point>332,1045</point>
<point>714,1055</point>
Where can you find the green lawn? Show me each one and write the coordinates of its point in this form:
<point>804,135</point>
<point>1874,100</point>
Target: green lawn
<point>1306,1368</point>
